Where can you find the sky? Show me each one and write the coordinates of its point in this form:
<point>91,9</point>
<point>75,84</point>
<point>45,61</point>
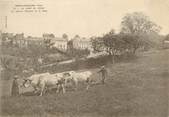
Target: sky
<point>83,17</point>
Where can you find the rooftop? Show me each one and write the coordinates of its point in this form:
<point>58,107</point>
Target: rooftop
<point>34,38</point>
<point>81,39</point>
<point>59,39</point>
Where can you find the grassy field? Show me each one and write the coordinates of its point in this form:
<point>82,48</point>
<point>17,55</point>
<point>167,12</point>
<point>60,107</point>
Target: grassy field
<point>138,88</point>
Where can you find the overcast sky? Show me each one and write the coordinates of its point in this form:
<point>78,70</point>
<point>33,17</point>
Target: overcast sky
<point>84,17</point>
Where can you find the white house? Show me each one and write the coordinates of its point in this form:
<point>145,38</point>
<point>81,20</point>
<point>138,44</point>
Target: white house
<point>81,43</point>
<point>60,43</point>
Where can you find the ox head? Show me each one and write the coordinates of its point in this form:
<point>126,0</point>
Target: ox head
<point>66,74</point>
<point>69,74</point>
<point>27,83</point>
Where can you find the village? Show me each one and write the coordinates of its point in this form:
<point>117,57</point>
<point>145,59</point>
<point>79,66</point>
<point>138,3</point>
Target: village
<point>62,43</point>
<point>63,47</point>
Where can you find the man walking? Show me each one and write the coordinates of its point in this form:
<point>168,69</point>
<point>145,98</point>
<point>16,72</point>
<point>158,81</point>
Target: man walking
<point>15,87</point>
<point>103,71</point>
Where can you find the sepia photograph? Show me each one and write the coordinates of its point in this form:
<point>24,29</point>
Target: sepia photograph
<point>84,58</point>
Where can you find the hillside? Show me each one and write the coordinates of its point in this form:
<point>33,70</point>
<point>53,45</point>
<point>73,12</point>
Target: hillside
<point>133,89</point>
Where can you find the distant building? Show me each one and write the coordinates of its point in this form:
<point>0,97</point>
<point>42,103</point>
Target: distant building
<point>34,40</point>
<point>57,42</point>
<point>81,43</point>
<point>166,44</point>
<point>70,45</point>
<point>60,43</point>
<point>7,37</point>
<point>19,40</point>
<point>13,40</point>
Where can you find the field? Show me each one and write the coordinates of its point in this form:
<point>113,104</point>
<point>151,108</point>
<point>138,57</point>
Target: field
<point>138,88</point>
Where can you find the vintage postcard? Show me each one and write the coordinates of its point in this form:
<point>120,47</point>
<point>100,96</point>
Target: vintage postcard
<point>84,58</point>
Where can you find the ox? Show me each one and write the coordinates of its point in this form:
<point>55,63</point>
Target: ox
<point>44,81</point>
<point>81,77</point>
<point>66,75</point>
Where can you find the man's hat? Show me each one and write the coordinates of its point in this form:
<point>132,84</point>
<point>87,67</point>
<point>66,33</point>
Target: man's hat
<point>103,66</point>
<point>15,77</point>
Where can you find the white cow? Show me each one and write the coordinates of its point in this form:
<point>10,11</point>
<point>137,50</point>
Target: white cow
<point>34,81</point>
<point>82,77</point>
<point>66,75</point>
<point>44,81</point>
<point>50,81</point>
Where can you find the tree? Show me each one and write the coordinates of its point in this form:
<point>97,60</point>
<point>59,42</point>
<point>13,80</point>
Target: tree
<point>131,42</point>
<point>77,36</point>
<point>113,44</point>
<point>112,31</point>
<point>138,23</point>
<point>97,44</point>
<point>48,35</point>
<point>48,43</point>
<point>65,36</point>
<point>138,27</point>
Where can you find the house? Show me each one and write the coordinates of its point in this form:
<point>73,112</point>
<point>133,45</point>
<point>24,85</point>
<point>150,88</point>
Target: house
<point>57,42</point>
<point>60,43</point>
<point>7,37</point>
<point>19,40</point>
<point>81,43</point>
<point>14,40</point>
<point>34,41</point>
<point>166,44</point>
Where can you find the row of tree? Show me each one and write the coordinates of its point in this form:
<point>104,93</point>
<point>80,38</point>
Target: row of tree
<point>136,31</point>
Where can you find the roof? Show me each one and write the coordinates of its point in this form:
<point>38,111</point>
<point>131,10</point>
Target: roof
<point>81,39</point>
<point>59,39</point>
<point>34,38</point>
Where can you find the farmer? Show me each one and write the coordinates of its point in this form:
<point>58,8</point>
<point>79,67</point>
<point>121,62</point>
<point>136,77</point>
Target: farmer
<point>103,71</point>
<point>15,87</point>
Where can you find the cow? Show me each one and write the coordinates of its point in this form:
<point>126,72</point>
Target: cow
<point>67,75</point>
<point>50,81</point>
<point>44,81</point>
<point>34,81</point>
<point>81,77</point>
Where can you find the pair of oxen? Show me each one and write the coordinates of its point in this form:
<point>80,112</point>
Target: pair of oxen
<point>44,81</point>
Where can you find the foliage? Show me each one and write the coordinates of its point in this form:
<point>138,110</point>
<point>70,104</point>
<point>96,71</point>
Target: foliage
<point>77,36</point>
<point>48,35</point>
<point>65,36</point>
<point>48,43</point>
<point>76,53</point>
<point>112,43</point>
<point>97,44</point>
<point>132,42</point>
<point>138,29</point>
<point>138,23</point>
